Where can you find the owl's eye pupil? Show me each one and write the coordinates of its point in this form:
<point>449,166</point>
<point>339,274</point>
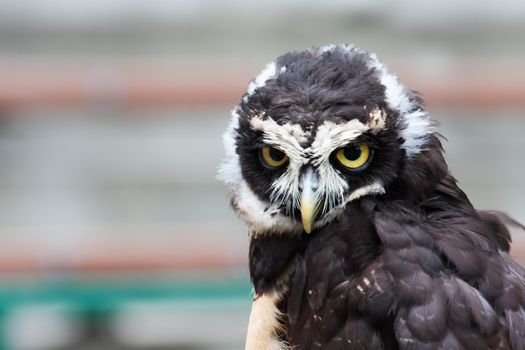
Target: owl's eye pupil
<point>276,154</point>
<point>352,152</point>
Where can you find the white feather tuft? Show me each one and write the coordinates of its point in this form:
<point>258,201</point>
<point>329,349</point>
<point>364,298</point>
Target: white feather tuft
<point>259,81</point>
<point>414,122</point>
<point>417,127</point>
<point>230,169</point>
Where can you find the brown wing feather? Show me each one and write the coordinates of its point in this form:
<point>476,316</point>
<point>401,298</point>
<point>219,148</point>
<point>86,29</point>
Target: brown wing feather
<point>434,282</point>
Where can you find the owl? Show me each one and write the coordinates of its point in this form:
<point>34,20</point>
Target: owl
<point>360,237</point>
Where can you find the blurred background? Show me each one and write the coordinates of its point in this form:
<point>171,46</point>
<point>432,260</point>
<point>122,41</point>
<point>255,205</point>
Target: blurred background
<point>114,233</point>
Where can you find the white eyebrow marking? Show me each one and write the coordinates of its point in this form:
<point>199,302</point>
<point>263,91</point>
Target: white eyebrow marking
<point>286,137</point>
<point>331,136</point>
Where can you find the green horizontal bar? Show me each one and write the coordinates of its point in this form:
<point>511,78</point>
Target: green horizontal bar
<point>100,295</point>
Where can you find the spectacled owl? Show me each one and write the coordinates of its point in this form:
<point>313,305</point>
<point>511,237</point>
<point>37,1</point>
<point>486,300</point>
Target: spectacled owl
<point>360,237</point>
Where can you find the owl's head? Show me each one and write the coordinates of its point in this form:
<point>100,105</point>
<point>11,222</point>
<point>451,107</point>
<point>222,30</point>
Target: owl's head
<point>315,131</point>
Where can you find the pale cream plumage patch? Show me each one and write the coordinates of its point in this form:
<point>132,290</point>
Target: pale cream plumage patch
<point>265,318</point>
<point>265,324</point>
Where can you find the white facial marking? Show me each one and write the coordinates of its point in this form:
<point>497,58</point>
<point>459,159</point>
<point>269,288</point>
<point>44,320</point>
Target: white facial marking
<point>262,217</point>
<point>329,137</point>
<point>374,188</point>
<point>230,169</point>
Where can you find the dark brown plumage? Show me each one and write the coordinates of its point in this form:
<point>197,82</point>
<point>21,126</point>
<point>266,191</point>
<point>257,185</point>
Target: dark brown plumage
<point>398,258</point>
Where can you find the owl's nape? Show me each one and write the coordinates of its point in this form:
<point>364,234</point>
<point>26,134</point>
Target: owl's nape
<point>359,235</point>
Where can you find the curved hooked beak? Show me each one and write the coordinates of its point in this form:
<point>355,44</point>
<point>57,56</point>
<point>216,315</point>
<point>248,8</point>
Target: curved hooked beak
<point>309,201</point>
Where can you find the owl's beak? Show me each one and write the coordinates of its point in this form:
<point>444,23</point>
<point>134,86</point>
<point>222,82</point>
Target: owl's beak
<point>309,201</point>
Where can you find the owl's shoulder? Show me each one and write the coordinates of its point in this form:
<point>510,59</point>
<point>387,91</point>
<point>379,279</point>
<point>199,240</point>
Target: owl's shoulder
<point>453,282</point>
<point>434,281</point>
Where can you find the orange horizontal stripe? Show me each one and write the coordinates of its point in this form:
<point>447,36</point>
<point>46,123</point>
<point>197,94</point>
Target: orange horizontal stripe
<point>120,255</point>
<point>30,83</point>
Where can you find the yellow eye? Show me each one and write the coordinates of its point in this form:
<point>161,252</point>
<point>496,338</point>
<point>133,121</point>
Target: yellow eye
<point>272,157</point>
<point>354,156</point>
